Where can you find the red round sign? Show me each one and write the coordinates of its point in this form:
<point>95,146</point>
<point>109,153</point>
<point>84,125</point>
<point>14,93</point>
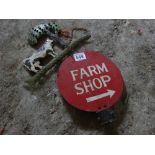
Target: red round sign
<point>90,81</point>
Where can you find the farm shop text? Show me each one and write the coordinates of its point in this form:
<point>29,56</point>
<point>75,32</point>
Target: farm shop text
<point>89,85</point>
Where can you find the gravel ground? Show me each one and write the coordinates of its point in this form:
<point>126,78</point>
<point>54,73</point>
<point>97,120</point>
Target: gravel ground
<point>129,43</point>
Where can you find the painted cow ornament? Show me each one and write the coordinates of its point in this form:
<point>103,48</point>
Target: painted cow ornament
<point>32,63</point>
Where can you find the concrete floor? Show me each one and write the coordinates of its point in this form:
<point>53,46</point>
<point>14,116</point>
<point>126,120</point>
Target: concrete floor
<point>129,43</point>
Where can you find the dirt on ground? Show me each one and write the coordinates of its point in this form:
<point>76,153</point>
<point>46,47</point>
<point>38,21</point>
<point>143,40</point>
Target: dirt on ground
<point>130,44</point>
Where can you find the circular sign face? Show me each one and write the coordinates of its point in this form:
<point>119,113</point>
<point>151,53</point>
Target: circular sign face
<point>90,81</point>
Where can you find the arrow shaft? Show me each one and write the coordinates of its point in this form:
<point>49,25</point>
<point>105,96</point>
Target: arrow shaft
<point>97,97</point>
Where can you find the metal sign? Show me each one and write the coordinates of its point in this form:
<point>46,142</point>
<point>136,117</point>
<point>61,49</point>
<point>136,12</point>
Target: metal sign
<point>90,81</point>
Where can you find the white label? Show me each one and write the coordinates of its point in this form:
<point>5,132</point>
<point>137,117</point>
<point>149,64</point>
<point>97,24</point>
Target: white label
<point>79,56</point>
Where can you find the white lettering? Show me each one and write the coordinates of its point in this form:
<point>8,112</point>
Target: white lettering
<point>105,79</point>
<point>101,69</point>
<point>74,73</point>
<point>77,87</point>
<point>89,85</point>
<point>83,72</point>
<point>95,81</point>
<point>92,69</point>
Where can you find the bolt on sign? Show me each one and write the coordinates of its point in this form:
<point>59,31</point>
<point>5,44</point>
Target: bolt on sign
<point>90,81</point>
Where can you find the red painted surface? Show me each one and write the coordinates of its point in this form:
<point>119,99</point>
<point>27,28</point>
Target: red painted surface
<point>92,84</point>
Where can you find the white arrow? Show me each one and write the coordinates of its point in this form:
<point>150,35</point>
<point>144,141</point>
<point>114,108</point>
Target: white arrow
<point>109,93</point>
